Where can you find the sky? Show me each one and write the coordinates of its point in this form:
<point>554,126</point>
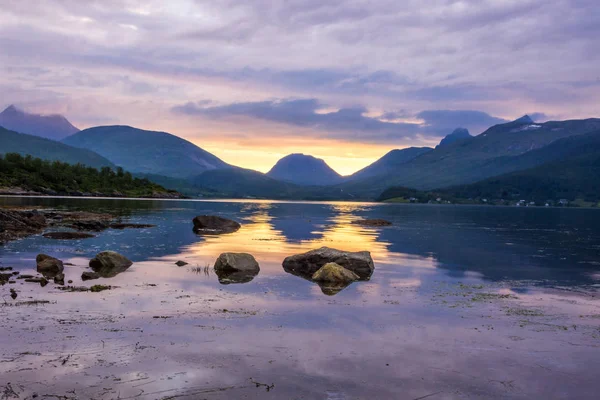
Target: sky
<point>343,80</point>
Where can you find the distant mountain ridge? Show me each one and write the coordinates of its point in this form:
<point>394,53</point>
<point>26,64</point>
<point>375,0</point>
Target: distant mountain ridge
<point>472,159</point>
<point>46,149</point>
<point>147,152</point>
<point>457,134</point>
<point>389,162</point>
<point>303,169</point>
<point>54,127</point>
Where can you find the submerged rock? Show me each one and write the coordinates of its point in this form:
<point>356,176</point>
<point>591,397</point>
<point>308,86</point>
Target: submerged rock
<point>181,263</point>
<point>307,264</point>
<point>59,279</point>
<point>212,224</point>
<point>90,225</point>
<point>334,273</point>
<point>372,222</point>
<point>89,275</point>
<point>67,235</point>
<point>109,264</point>
<point>133,226</point>
<point>49,266</point>
<point>41,280</point>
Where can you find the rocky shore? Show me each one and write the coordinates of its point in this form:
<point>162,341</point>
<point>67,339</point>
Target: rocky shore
<point>16,223</point>
<point>18,191</point>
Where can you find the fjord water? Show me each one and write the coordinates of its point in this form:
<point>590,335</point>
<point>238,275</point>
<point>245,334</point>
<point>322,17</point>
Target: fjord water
<point>465,302</point>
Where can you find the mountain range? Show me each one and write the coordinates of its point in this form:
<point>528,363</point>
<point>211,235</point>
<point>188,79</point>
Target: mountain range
<point>459,161</point>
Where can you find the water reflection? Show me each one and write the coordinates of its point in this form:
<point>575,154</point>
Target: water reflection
<point>552,246</point>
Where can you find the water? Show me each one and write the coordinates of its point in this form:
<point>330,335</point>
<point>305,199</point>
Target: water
<point>465,302</point>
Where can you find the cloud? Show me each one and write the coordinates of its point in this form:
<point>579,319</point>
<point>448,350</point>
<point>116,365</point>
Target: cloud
<point>444,121</point>
<point>350,123</point>
<point>134,60</point>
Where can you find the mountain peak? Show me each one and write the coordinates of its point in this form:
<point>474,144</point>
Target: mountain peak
<point>457,134</point>
<point>525,119</point>
<point>10,110</point>
<point>54,127</point>
<point>303,169</point>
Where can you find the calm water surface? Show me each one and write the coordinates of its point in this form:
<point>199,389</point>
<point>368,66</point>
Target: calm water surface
<point>465,302</point>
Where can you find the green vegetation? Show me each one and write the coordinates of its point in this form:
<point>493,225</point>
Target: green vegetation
<point>46,149</point>
<point>62,178</point>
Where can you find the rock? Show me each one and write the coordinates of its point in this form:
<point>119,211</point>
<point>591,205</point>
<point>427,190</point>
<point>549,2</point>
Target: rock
<point>88,275</point>
<point>236,268</point>
<point>70,281</point>
<point>109,264</point>
<point>59,279</point>
<point>181,263</point>
<point>42,281</point>
<point>134,226</point>
<point>90,225</point>
<point>334,273</point>
<point>5,268</point>
<point>212,224</point>
<point>5,278</point>
<point>67,235</point>
<point>48,266</point>
<point>237,262</point>
<point>305,265</point>
<point>13,294</point>
<point>372,222</point>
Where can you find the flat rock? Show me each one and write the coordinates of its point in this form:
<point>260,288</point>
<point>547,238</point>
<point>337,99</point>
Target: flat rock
<point>49,266</point>
<point>90,225</point>
<point>181,263</point>
<point>308,263</point>
<point>89,275</point>
<point>67,235</point>
<point>132,226</point>
<point>372,222</point>
<point>109,264</point>
<point>212,224</point>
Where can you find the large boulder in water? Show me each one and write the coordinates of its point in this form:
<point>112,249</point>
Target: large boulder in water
<point>305,265</point>
<point>109,263</point>
<point>236,268</point>
<point>237,262</point>
<point>48,266</point>
<point>212,224</point>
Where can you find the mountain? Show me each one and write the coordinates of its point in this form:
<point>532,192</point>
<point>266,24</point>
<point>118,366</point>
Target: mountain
<point>46,149</point>
<point>54,127</point>
<point>389,162</point>
<point>304,170</point>
<point>471,160</point>
<point>568,168</point>
<point>146,152</point>
<point>457,134</point>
